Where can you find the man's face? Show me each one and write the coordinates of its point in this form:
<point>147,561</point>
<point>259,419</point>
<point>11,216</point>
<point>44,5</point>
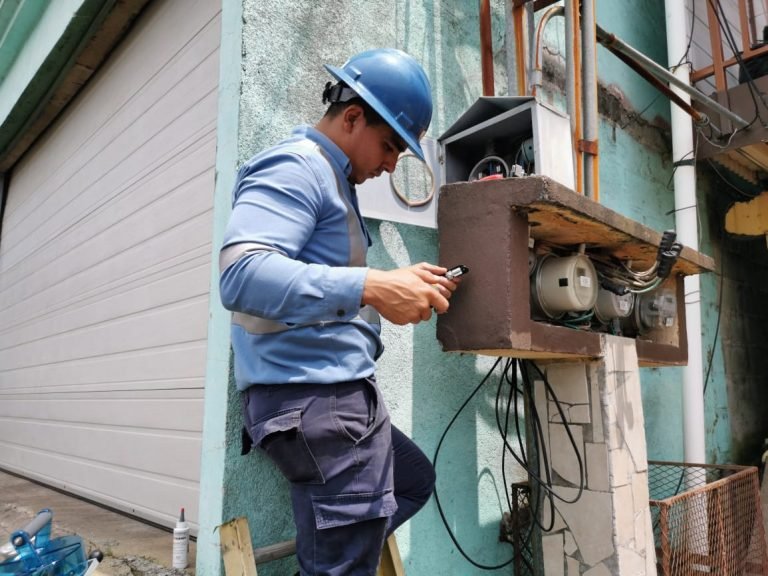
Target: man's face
<point>375,149</point>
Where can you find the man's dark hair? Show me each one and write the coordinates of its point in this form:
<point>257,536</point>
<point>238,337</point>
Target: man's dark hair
<point>335,108</point>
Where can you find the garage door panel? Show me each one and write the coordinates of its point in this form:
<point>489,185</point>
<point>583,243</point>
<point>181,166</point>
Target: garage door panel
<point>136,188</point>
<point>74,301</point>
<point>174,323</point>
<point>117,305</point>
<point>180,414</point>
<point>105,259</point>
<point>139,72</point>
<point>137,493</point>
<point>83,269</point>
<point>122,157</point>
<point>144,450</point>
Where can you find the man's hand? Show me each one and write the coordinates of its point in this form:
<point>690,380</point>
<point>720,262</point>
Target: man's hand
<point>408,295</point>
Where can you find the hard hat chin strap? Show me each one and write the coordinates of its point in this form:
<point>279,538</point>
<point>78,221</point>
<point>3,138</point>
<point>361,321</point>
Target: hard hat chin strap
<point>338,92</point>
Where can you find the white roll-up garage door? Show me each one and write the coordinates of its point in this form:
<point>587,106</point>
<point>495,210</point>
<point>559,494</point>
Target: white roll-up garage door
<point>104,275</point>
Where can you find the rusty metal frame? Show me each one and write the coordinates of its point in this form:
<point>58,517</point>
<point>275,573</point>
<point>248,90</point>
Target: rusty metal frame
<point>719,63</point>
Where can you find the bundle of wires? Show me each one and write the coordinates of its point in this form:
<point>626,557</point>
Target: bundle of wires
<point>537,462</point>
<point>621,278</point>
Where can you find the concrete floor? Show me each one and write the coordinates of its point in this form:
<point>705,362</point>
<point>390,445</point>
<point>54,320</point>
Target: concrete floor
<point>130,547</point>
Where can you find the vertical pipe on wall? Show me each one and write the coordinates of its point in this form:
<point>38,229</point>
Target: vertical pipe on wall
<point>589,145</point>
<point>520,36</point>
<point>537,75</point>
<point>688,233</point>
<point>510,48</point>
<point>486,47</point>
<point>530,31</point>
<point>573,85</point>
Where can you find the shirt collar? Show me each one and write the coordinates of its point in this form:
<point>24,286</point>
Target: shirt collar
<point>329,146</point>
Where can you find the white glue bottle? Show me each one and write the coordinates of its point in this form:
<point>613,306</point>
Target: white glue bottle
<point>181,543</point>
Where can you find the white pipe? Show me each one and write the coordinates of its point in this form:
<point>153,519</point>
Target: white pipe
<point>688,233</point>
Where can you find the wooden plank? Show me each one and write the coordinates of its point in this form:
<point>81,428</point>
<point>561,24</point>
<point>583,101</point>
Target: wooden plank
<point>236,549</point>
<point>391,564</point>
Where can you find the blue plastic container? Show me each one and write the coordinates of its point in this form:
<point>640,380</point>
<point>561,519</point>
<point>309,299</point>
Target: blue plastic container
<point>31,551</point>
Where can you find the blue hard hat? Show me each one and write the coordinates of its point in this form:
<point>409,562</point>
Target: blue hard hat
<point>395,86</point>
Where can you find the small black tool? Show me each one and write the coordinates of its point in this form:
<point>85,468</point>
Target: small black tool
<point>456,271</point>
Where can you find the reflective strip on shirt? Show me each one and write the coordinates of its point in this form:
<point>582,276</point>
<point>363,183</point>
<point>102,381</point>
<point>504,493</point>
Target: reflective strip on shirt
<point>258,325</point>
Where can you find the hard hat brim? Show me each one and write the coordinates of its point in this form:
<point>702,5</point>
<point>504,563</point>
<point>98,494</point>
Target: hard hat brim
<point>380,109</point>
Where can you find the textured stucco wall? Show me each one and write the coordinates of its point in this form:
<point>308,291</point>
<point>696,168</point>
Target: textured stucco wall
<point>283,47</point>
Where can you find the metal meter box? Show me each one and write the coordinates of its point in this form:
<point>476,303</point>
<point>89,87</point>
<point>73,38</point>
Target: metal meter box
<point>510,128</point>
<point>516,129</point>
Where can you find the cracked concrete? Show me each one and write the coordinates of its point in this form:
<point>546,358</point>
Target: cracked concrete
<point>130,547</point>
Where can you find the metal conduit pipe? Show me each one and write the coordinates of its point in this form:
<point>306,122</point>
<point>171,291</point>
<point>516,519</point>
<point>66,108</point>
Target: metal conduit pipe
<point>698,117</point>
<point>538,74</point>
<point>486,48</point>
<point>573,86</point>
<point>572,83</point>
<point>509,32</point>
<point>589,145</point>
<point>611,41</point>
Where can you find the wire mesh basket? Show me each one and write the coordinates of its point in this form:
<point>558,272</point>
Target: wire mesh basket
<point>521,528</point>
<point>707,519</point>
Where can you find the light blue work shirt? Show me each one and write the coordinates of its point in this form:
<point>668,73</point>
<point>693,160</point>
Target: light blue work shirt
<point>293,268</point>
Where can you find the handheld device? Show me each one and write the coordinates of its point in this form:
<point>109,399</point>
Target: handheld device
<point>456,271</point>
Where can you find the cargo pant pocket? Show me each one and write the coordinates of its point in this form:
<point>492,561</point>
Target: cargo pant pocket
<point>343,509</point>
<point>281,437</point>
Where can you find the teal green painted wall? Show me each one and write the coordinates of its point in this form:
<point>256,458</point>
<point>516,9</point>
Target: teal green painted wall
<point>283,48</point>
<point>217,383</point>
<point>35,48</point>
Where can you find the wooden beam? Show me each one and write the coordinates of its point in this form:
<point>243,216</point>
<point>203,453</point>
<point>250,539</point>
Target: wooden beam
<point>391,564</point>
<point>236,548</point>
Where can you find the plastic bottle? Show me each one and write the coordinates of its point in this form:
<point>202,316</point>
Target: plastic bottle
<point>181,543</point>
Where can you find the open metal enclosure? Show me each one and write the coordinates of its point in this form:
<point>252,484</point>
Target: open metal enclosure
<point>499,126</point>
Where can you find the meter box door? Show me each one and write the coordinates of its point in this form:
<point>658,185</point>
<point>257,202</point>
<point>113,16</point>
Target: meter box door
<point>519,135</point>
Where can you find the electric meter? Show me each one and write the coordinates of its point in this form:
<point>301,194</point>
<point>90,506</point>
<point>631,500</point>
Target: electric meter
<point>656,309</point>
<point>564,284</point>
<point>610,306</point>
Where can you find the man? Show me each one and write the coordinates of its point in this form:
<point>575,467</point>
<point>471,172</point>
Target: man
<point>305,328</point>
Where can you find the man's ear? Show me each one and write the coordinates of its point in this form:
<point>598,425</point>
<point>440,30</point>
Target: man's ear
<point>352,115</point>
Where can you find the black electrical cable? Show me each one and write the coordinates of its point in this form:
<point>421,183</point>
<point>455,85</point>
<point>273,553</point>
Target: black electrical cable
<point>744,194</point>
<point>512,392</point>
<point>717,326</point>
<point>512,400</point>
<point>692,153</point>
<point>564,420</point>
<point>539,444</point>
<point>537,433</point>
<point>434,464</point>
<point>684,57</point>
